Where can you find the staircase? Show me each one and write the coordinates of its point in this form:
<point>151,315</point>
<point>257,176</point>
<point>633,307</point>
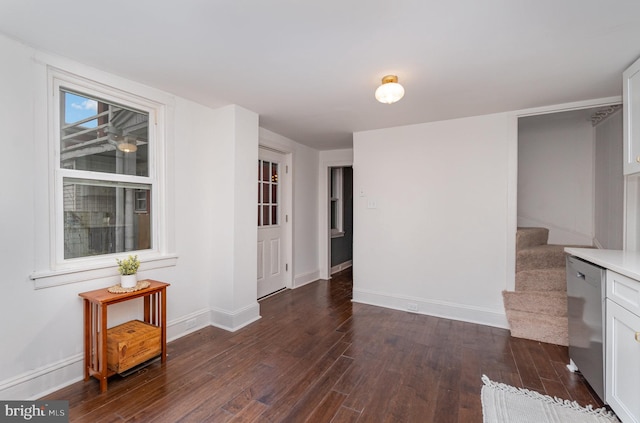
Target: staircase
<point>537,309</point>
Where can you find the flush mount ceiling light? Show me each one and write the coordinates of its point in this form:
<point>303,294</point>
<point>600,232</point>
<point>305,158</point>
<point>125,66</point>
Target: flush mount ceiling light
<point>128,145</point>
<point>390,91</point>
<point>124,143</point>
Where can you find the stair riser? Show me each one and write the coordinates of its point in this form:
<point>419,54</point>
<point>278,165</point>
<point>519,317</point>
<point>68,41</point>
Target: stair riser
<point>541,280</point>
<point>529,326</point>
<point>546,259</point>
<point>548,304</point>
<point>530,237</point>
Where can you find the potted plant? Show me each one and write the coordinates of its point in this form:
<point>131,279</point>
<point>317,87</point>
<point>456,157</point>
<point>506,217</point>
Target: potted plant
<point>128,268</point>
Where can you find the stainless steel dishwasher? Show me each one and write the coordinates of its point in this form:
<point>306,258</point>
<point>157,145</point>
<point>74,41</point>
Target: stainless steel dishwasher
<point>586,296</point>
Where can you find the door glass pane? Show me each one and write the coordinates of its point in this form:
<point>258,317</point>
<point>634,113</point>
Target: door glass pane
<point>259,216</point>
<point>265,215</point>
<point>265,193</point>
<point>274,194</point>
<point>274,172</point>
<point>274,215</point>
<point>265,171</point>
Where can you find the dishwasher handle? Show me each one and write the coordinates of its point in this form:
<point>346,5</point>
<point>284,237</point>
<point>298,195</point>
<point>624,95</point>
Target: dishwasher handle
<point>580,275</point>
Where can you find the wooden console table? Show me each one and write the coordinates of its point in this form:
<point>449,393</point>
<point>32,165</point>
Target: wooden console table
<point>95,324</point>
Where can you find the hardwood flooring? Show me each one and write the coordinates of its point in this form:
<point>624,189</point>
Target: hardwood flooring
<point>315,356</point>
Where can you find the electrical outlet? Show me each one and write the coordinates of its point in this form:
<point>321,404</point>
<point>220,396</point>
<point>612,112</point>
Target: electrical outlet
<point>412,306</point>
<point>190,323</point>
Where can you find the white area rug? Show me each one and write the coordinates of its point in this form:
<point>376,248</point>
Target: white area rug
<point>507,404</point>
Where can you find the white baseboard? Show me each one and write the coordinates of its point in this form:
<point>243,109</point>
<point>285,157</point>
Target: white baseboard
<point>306,278</point>
<point>340,267</point>
<point>466,313</point>
<point>44,380</point>
<point>187,324</point>
<point>234,320</point>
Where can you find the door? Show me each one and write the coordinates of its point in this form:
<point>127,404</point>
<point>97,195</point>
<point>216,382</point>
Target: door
<point>271,263</point>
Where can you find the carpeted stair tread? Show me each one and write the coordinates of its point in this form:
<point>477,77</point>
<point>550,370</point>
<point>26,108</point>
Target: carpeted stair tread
<point>530,237</point>
<point>551,279</point>
<point>538,327</point>
<point>551,303</point>
<point>540,257</point>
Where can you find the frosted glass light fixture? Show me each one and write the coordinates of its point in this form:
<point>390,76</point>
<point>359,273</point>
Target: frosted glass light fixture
<point>128,145</point>
<point>390,91</point>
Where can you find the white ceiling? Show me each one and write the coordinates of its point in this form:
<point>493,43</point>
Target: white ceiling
<point>309,68</point>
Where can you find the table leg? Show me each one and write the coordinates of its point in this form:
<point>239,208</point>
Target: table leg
<point>163,323</point>
<point>87,338</point>
<point>147,308</point>
<point>102,359</point>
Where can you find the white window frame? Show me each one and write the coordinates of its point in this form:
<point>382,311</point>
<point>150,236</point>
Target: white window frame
<point>57,270</point>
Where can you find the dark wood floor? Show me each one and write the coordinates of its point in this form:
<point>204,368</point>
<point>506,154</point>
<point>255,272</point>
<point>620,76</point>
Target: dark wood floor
<point>316,356</point>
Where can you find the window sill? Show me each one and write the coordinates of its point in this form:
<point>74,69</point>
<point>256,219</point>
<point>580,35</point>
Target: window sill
<point>50,278</point>
<point>337,234</point>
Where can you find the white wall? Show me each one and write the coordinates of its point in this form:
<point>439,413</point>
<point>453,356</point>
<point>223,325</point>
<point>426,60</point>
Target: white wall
<point>609,184</point>
<point>432,231</point>
<point>211,191</point>
<point>231,181</point>
<point>556,176</point>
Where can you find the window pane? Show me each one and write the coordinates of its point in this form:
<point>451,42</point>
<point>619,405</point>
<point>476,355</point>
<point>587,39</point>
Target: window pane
<point>274,172</point>
<point>265,215</point>
<point>265,171</point>
<point>334,214</point>
<point>274,215</point>
<point>274,194</point>
<point>265,193</point>
<point>99,136</point>
<point>100,217</point>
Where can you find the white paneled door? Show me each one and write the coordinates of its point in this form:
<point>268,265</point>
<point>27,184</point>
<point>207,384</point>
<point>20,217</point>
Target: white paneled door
<point>271,262</point>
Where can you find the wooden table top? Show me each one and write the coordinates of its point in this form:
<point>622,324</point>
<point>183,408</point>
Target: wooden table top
<point>103,296</point>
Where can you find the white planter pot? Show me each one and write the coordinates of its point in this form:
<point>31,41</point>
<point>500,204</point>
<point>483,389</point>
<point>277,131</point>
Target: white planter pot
<point>128,281</point>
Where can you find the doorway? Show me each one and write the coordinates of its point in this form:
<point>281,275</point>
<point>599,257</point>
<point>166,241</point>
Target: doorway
<point>341,218</point>
<point>570,176</point>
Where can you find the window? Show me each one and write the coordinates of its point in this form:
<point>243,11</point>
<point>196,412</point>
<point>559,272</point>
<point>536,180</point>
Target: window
<point>105,184</point>
<point>103,168</point>
<point>336,197</point>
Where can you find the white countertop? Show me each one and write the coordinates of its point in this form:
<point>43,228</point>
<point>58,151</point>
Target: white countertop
<point>626,263</point>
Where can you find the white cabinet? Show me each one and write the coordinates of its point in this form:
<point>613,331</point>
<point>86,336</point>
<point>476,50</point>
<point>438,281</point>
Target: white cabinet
<point>631,101</point>
<point>622,357</point>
